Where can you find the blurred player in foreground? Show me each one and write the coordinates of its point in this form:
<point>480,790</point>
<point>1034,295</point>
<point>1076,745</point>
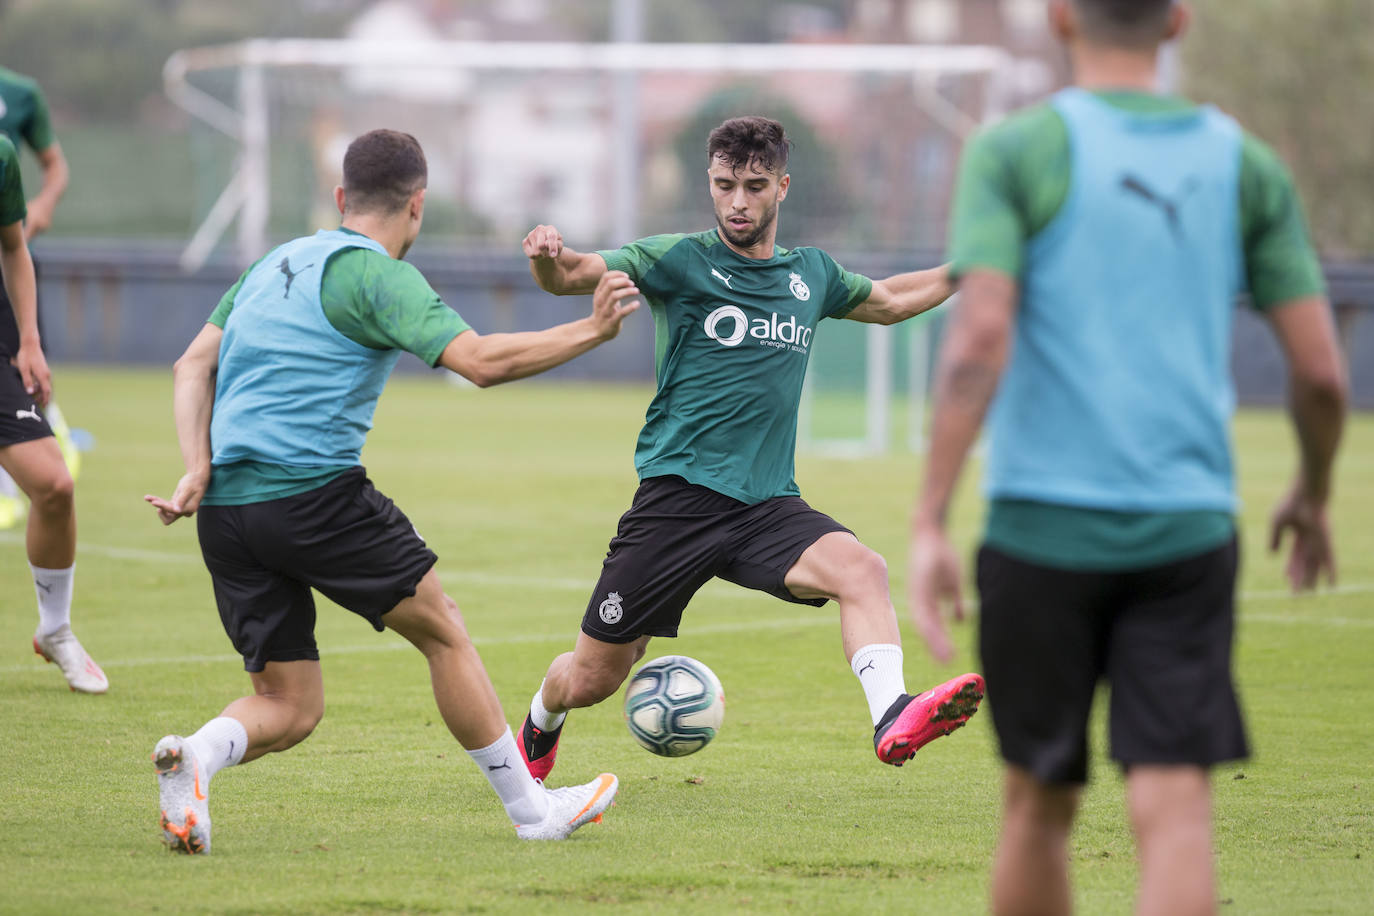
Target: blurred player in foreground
<point>273,400</point>
<point>1101,240</point>
<point>736,316</point>
<point>24,119</point>
<point>30,454</point>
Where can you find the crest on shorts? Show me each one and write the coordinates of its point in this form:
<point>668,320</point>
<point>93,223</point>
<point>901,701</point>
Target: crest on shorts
<point>798,287</point>
<point>610,609</point>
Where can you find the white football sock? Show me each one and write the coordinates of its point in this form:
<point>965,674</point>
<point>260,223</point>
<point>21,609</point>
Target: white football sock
<point>220,743</point>
<point>879,670</point>
<point>540,717</point>
<point>54,590</point>
<point>504,767</point>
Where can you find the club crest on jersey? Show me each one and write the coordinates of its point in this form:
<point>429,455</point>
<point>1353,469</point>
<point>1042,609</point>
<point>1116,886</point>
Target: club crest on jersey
<point>610,609</point>
<point>798,287</point>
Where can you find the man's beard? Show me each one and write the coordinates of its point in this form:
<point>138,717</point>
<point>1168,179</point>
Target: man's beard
<point>752,237</point>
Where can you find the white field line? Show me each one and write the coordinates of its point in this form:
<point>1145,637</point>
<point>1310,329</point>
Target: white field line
<point>582,585</point>
<point>396,644</point>
<point>561,584</point>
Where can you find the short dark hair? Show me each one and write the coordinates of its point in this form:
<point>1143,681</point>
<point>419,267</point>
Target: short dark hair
<point>381,170</point>
<point>1124,23</point>
<point>741,142</point>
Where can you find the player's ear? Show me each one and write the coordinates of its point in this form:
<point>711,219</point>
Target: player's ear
<point>417,204</point>
<point>339,198</point>
<point>783,183</point>
<point>1180,15</point>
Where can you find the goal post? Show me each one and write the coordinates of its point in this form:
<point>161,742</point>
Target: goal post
<point>267,76</point>
<point>867,387</point>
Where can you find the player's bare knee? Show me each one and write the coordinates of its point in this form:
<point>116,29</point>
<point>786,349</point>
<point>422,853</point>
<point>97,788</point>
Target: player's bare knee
<point>872,569</point>
<point>434,626</point>
<point>308,716</point>
<point>450,631</point>
<point>864,577</point>
<point>53,494</point>
<point>1041,804</point>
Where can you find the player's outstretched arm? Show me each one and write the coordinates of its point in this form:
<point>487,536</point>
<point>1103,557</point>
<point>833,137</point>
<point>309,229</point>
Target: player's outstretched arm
<point>972,358</point>
<point>193,401</point>
<point>1317,395</point>
<point>901,296</point>
<point>557,268</point>
<point>20,285</point>
<point>490,359</point>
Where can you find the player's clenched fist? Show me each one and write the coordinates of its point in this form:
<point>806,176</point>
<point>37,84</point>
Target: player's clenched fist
<point>543,242</point>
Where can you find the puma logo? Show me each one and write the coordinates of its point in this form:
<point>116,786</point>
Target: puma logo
<point>503,765</point>
<point>31,413</point>
<point>866,667</point>
<point>1168,206</point>
<point>45,586</point>
<point>285,268</point>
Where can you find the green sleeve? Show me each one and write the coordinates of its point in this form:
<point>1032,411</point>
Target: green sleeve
<point>220,316</point>
<point>846,291</point>
<point>640,257</point>
<point>1013,178</point>
<point>1280,262</point>
<point>12,209</point>
<point>382,303</point>
<point>38,130</point>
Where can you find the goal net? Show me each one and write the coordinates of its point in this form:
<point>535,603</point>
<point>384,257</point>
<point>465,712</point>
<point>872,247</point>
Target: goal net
<point>607,142</point>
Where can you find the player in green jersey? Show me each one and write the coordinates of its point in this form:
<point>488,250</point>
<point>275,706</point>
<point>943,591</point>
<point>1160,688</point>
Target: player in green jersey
<point>29,453</point>
<point>273,401</point>
<point>1100,241</point>
<point>736,317</point>
<point>24,120</point>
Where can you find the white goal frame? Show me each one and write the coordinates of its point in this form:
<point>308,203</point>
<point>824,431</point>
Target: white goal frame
<point>246,197</point>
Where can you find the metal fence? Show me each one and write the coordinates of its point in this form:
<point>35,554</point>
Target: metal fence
<point>132,304</point>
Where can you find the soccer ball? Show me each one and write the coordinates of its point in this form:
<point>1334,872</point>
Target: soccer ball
<point>674,705</point>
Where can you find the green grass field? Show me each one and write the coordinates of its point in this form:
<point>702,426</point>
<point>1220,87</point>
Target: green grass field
<point>518,489</point>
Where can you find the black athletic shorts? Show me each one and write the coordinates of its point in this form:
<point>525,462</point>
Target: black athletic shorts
<point>1160,637</point>
<point>21,419</point>
<point>344,539</point>
<point>677,536</point>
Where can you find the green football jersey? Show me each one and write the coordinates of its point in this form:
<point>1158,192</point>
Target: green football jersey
<point>732,340</point>
<point>23,111</point>
<point>12,209</point>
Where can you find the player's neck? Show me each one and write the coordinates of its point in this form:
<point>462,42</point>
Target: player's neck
<point>388,232</point>
<point>1097,68</point>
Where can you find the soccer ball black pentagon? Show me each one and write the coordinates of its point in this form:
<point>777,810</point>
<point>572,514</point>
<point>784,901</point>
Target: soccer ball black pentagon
<point>674,705</point>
